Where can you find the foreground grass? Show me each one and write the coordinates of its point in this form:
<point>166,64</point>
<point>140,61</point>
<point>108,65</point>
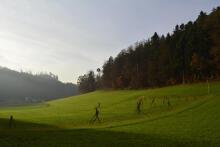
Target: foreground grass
<point>193,119</point>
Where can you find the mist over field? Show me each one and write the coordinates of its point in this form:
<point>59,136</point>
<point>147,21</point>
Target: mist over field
<point>19,88</point>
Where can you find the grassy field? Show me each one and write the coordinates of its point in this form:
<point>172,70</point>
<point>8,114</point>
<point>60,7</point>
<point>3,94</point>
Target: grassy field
<point>193,119</point>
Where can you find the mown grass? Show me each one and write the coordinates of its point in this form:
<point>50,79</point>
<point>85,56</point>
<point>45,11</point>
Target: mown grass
<point>192,120</point>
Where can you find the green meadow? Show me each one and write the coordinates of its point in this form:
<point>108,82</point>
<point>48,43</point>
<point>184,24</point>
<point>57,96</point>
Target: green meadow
<point>192,119</point>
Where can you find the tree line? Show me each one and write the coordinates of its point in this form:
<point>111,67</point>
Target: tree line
<point>191,53</point>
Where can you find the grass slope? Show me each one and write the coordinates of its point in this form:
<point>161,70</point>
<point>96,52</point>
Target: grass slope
<point>192,120</point>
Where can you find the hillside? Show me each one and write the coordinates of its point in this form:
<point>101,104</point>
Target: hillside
<point>191,53</point>
<point>24,88</point>
<point>192,119</point>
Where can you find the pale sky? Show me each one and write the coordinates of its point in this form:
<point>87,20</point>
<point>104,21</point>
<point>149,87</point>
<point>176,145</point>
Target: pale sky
<point>70,37</point>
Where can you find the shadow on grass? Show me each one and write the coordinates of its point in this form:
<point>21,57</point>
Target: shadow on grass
<point>29,134</point>
<point>21,125</point>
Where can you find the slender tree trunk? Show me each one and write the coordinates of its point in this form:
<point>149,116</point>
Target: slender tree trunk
<point>208,86</point>
<point>183,78</point>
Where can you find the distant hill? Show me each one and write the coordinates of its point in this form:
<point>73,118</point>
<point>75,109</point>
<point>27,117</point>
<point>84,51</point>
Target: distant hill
<point>24,88</point>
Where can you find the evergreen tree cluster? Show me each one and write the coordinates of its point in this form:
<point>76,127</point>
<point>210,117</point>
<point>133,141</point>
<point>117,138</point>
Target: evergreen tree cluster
<point>190,54</point>
<point>87,83</point>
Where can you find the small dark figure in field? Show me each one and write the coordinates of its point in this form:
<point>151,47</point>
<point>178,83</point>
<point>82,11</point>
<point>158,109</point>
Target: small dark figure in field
<point>139,104</point>
<point>168,101</point>
<point>153,101</point>
<point>11,122</point>
<point>164,99</point>
<point>169,104</point>
<point>97,113</point>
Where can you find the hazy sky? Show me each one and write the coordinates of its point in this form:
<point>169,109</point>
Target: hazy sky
<point>70,37</point>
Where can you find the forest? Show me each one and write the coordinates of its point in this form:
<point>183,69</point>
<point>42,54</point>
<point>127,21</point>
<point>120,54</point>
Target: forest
<point>191,53</point>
